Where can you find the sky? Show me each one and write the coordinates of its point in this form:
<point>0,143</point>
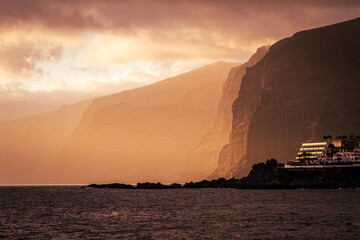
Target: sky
<point>61,52</point>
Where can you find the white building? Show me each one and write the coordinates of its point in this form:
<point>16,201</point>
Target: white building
<point>345,156</point>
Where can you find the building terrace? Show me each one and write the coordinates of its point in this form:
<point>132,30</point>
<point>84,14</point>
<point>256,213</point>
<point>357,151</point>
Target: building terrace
<point>342,152</point>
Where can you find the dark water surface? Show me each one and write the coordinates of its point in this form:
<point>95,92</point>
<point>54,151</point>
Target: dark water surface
<point>65,212</point>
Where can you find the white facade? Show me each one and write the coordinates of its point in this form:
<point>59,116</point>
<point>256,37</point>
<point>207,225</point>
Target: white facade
<point>345,156</point>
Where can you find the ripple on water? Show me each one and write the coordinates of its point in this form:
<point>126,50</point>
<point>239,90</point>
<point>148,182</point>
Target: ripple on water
<point>72,212</point>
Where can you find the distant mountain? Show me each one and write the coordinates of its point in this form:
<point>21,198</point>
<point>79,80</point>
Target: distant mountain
<point>29,146</point>
<point>204,158</point>
<point>307,86</point>
<point>143,134</point>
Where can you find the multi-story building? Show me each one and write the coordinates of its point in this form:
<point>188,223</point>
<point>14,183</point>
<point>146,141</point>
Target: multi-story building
<point>312,151</point>
<point>330,153</point>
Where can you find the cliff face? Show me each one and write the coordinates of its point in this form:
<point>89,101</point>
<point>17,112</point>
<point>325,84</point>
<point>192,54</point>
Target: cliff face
<point>203,159</point>
<point>29,146</point>
<point>144,134</point>
<point>306,87</point>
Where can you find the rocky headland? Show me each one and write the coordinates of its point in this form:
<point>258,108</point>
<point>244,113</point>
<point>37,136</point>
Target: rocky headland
<point>268,175</point>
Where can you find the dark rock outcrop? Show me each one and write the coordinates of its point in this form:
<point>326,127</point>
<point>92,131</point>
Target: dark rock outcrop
<point>146,185</point>
<point>112,185</point>
<point>306,86</point>
<point>268,175</point>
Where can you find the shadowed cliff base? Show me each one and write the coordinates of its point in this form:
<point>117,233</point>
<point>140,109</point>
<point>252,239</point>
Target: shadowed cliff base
<point>306,86</point>
<point>268,175</point>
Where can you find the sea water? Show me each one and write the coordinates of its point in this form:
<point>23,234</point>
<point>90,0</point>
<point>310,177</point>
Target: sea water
<point>72,212</point>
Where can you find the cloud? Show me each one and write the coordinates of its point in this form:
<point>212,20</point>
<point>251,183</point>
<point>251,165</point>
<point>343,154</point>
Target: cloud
<point>64,15</point>
<point>65,51</point>
<point>17,101</point>
<point>22,49</point>
<point>22,57</point>
<point>159,29</point>
<point>157,70</point>
<point>95,15</point>
<point>93,69</point>
<point>184,44</point>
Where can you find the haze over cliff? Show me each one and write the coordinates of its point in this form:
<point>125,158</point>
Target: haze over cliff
<point>204,158</point>
<point>139,134</point>
<point>143,134</point>
<point>306,87</point>
<point>29,146</point>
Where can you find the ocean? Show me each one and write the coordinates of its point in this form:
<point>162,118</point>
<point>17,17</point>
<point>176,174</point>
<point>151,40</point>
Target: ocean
<point>72,212</point>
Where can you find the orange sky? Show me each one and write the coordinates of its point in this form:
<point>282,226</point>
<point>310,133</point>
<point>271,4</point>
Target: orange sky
<point>60,52</point>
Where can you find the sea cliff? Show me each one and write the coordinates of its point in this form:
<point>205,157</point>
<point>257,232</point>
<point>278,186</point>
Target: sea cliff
<point>143,133</point>
<point>203,158</point>
<point>306,86</point>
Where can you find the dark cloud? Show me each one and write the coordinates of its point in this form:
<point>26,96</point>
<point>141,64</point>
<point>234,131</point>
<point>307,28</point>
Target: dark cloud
<point>128,15</point>
<point>49,14</point>
<point>167,22</point>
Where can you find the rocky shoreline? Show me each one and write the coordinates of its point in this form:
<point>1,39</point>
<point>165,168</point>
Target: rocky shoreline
<point>268,175</point>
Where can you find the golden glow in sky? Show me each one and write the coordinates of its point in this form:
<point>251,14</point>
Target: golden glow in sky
<point>60,52</point>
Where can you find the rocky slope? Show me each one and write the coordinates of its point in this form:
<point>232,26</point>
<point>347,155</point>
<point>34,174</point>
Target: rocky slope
<point>144,134</point>
<point>29,146</point>
<point>203,159</point>
<point>307,86</point>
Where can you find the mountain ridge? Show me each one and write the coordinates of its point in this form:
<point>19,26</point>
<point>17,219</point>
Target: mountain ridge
<point>132,135</point>
<point>30,147</point>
